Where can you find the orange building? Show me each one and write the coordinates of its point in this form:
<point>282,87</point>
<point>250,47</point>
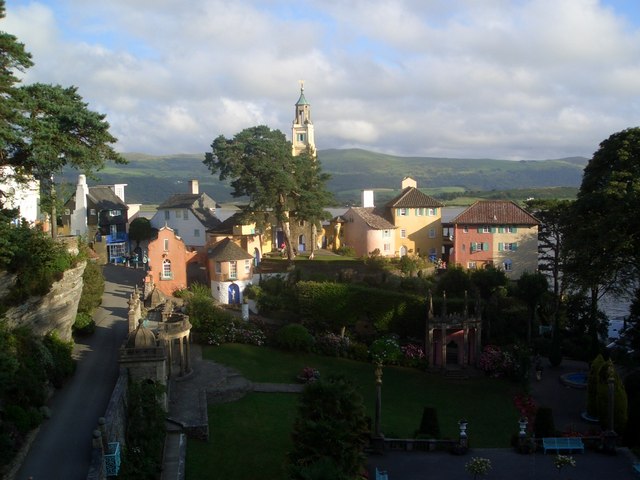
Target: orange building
<point>495,233</point>
<point>168,259</point>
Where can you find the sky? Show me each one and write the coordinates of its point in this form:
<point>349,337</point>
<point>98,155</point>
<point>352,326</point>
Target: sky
<point>507,79</point>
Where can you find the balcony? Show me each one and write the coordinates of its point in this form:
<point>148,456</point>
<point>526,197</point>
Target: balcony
<point>117,238</point>
<point>112,459</point>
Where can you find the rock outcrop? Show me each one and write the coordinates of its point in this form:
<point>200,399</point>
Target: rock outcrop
<point>55,311</point>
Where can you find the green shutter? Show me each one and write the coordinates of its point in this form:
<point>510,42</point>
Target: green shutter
<point>479,229</point>
<point>485,247</point>
<point>514,246</point>
<point>493,229</point>
<point>500,246</point>
<point>500,229</point>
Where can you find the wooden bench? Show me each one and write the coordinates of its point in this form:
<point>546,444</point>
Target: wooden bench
<point>381,475</point>
<point>563,444</point>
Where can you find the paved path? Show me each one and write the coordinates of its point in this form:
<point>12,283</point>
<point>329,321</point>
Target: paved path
<point>62,448</point>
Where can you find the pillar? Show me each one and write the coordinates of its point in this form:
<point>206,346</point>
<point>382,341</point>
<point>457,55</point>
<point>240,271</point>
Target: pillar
<point>182,371</point>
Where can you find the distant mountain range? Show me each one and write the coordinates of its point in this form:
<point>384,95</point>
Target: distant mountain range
<point>151,179</point>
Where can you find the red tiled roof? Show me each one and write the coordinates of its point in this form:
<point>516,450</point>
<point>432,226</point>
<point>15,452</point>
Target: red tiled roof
<point>495,212</point>
<point>411,197</point>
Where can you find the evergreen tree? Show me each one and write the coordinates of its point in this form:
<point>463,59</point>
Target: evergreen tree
<point>331,428</point>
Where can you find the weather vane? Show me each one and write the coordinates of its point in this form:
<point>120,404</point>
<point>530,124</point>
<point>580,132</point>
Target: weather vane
<point>301,84</point>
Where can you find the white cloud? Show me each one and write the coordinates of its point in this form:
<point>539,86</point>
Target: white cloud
<point>497,78</point>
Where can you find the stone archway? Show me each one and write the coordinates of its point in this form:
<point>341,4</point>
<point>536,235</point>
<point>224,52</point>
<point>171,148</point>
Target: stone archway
<point>452,353</point>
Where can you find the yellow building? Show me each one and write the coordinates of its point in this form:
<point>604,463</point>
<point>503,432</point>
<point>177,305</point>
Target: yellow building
<point>417,218</point>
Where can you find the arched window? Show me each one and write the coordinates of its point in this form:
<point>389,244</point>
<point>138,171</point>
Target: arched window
<point>166,270</point>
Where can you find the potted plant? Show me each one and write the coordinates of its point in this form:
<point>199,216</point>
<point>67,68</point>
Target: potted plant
<point>478,466</point>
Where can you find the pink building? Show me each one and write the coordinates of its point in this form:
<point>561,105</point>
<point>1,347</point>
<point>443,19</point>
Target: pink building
<point>168,259</point>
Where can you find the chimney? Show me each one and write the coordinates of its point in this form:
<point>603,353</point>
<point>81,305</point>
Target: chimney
<point>193,186</point>
<point>367,199</point>
<point>409,182</point>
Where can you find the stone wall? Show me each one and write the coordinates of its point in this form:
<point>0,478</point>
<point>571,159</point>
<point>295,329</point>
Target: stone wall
<point>55,311</point>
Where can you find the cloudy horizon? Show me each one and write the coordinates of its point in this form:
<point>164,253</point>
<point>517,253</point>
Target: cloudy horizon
<point>507,79</point>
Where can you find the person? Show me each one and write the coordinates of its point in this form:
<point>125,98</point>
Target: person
<point>283,249</point>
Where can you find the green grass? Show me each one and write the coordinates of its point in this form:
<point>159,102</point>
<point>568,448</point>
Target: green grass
<point>486,403</point>
<point>248,439</point>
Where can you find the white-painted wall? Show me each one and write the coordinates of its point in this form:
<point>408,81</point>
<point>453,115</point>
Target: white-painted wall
<point>184,228</point>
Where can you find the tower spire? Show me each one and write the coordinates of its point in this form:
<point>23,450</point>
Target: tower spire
<point>302,135</point>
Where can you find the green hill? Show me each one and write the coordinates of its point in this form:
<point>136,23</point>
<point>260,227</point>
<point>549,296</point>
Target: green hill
<point>151,179</point>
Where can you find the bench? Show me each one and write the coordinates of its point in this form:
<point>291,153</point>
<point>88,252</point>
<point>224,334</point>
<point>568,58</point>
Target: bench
<point>381,475</point>
<point>562,444</point>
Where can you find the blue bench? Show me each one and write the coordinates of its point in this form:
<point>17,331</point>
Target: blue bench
<point>381,475</point>
<point>563,444</point>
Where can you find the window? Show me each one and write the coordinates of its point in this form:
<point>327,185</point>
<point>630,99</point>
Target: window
<point>166,270</point>
<point>501,229</point>
<point>484,229</point>
<point>420,212</point>
<point>67,211</point>
<point>185,214</point>
<point>508,265</point>
<point>402,212</point>
<point>300,136</point>
<point>432,251</point>
<point>465,229</point>
<point>115,213</point>
<point>387,247</point>
<point>166,244</point>
<point>196,232</point>
<point>507,247</point>
<point>233,269</point>
<point>386,233</point>
<point>432,212</point>
<point>247,266</point>
<point>471,265</point>
<point>513,229</point>
<point>218,267</point>
<point>432,233</point>
<point>113,230</point>
<point>403,233</point>
<point>479,247</point>
<point>167,214</point>
<point>301,223</point>
<point>178,213</point>
<point>92,212</point>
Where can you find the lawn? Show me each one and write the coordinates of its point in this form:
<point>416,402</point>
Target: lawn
<point>261,423</point>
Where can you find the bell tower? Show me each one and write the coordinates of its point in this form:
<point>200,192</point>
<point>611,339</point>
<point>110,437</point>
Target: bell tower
<point>302,131</point>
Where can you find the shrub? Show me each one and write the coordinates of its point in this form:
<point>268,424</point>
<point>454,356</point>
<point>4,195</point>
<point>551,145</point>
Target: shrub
<point>429,426</point>
<point>413,355</point>
<point>145,432</point>
<point>84,324</point>
<point>332,345</point>
<point>385,351</point>
<point>331,424</point>
<point>346,251</point>
<point>92,288</point>
<point>592,386</point>
<point>63,364</point>
<point>358,351</point>
<point>294,337</point>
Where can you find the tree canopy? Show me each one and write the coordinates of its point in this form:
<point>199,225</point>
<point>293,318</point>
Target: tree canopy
<point>603,234</point>
<point>44,128</point>
<point>260,165</point>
